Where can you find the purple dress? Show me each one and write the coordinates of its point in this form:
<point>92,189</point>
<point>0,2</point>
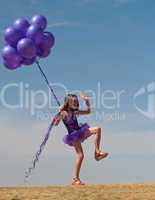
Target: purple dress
<point>76,132</point>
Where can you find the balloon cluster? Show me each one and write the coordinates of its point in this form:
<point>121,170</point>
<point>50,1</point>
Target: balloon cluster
<point>26,41</point>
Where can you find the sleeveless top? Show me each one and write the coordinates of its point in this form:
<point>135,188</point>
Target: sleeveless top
<point>71,123</point>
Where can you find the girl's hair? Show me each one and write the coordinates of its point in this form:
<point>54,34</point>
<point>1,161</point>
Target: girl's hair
<point>66,101</point>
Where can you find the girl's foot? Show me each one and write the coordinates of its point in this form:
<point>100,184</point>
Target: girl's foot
<point>100,155</point>
<point>77,181</point>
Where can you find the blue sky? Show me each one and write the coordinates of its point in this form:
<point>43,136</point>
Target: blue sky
<point>110,42</point>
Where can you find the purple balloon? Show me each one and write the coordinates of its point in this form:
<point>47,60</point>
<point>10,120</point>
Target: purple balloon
<point>10,54</point>
<point>27,61</point>
<point>11,65</point>
<point>12,59</point>
<point>35,33</point>
<point>12,36</point>
<point>21,25</point>
<point>40,20</point>
<point>44,47</point>
<point>48,40</point>
<point>43,53</point>
<point>26,48</point>
<point>8,51</point>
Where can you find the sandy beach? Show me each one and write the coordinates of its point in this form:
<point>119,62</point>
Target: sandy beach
<point>87,192</point>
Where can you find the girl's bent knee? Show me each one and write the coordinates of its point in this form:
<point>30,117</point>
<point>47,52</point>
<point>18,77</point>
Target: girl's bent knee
<point>80,156</point>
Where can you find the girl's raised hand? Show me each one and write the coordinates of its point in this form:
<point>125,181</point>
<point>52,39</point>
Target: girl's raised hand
<point>84,97</point>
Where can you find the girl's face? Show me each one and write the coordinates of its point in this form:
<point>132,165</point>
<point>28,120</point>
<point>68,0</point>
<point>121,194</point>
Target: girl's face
<point>73,103</point>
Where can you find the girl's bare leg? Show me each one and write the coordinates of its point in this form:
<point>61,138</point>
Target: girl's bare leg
<point>98,154</point>
<point>97,132</point>
<point>79,159</point>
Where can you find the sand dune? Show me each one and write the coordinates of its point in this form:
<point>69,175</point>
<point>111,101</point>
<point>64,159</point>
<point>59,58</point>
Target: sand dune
<point>88,192</point>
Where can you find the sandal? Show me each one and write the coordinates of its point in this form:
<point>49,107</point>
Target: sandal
<point>77,181</point>
<point>100,155</point>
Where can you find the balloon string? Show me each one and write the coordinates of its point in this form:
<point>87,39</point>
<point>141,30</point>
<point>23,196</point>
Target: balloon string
<point>42,146</point>
<point>46,80</point>
<point>38,153</point>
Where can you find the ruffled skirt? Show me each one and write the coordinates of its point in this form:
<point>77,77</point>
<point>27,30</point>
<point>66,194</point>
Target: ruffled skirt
<point>78,135</point>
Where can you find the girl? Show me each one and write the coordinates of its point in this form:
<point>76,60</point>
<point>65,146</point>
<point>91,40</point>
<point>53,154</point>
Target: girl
<point>78,133</point>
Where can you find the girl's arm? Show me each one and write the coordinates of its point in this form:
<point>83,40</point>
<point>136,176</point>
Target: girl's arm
<point>60,116</point>
<point>88,110</point>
